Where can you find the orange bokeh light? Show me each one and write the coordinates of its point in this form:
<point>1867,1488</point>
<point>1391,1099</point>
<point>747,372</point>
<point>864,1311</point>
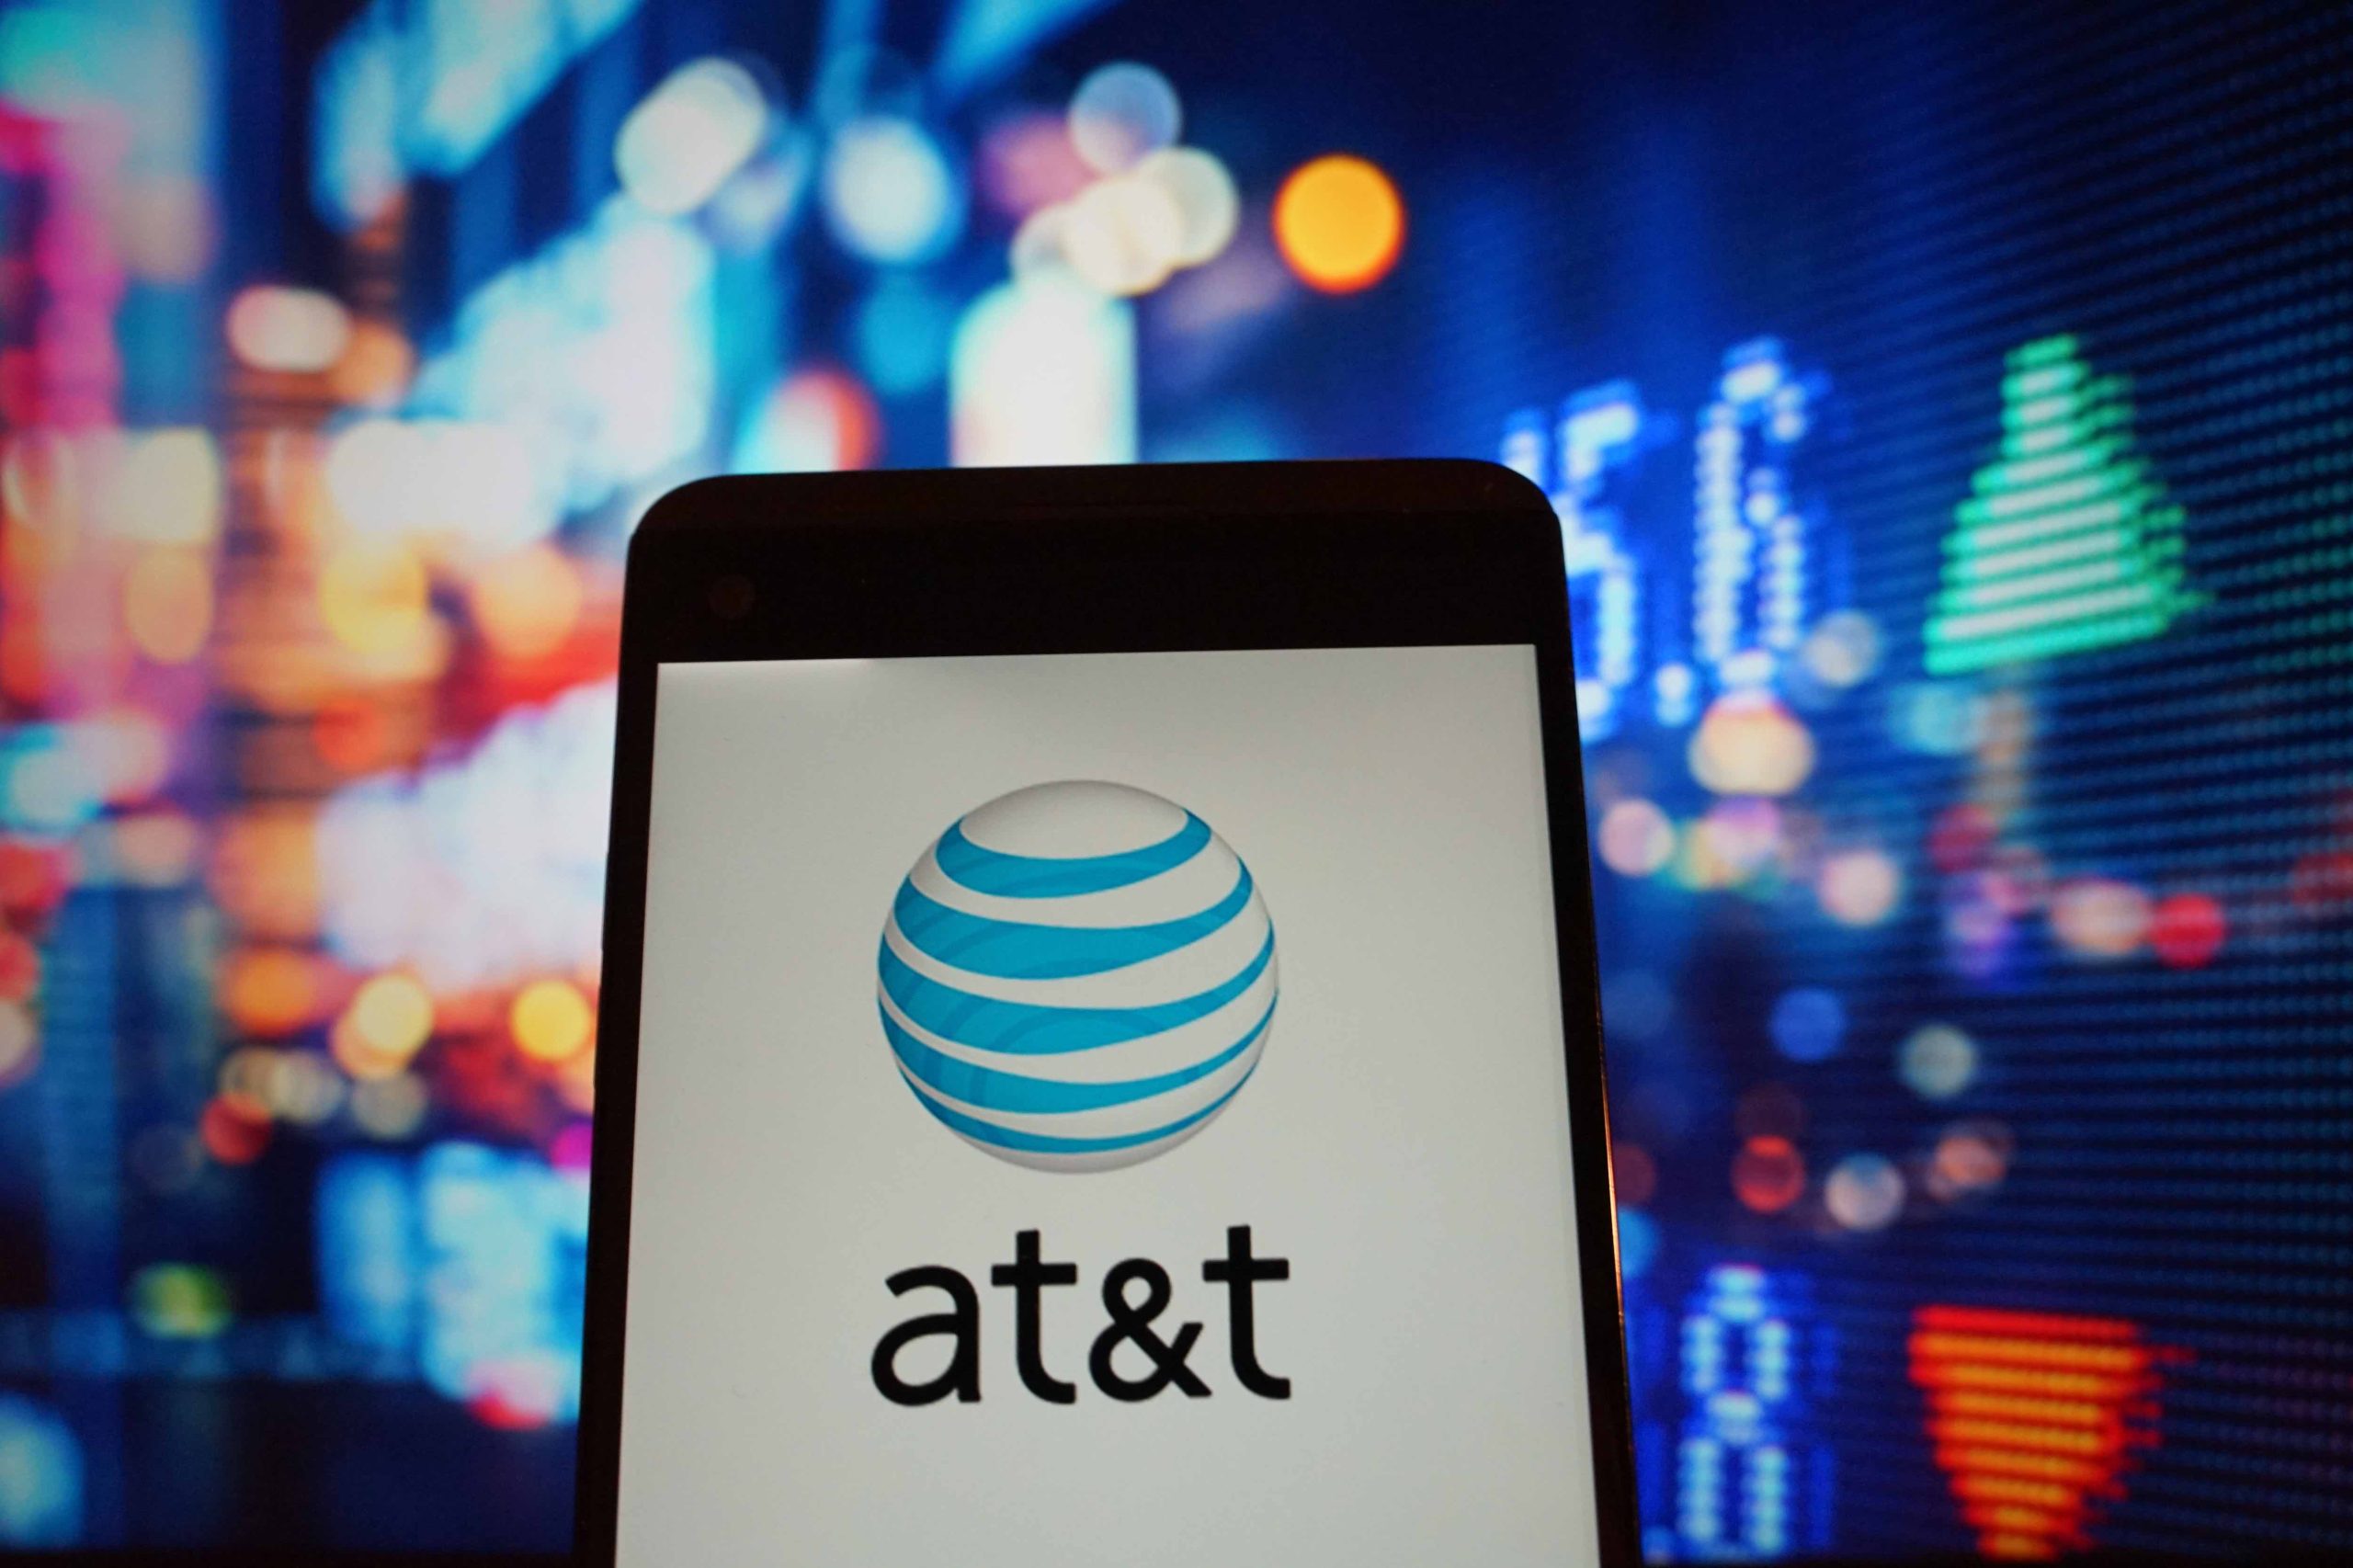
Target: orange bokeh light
<point>270,990</point>
<point>527,603</point>
<point>167,603</point>
<point>1340,224</point>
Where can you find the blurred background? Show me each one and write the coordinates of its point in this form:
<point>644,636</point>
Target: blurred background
<point>1950,412</point>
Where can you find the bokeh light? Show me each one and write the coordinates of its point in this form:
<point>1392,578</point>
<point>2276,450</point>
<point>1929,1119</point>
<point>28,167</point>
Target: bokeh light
<point>678,147</point>
<point>814,421</point>
<point>1207,206</point>
<point>2187,930</point>
<point>1859,887</point>
<point>1121,112</point>
<point>1864,1192</point>
<point>167,603</point>
<point>527,604</point>
<point>372,597</point>
<point>900,334</point>
<point>268,992</point>
<point>1843,650</point>
<point>1122,236</point>
<point>1937,1062</point>
<point>2099,917</point>
<point>1748,743</point>
<point>1767,1175</point>
<point>550,1020</point>
<point>297,330</point>
<point>41,1494</point>
<point>19,968</point>
<point>169,488</point>
<point>1971,1156</point>
<point>19,1042</point>
<point>1339,223</point>
<point>389,1108</point>
<point>1637,1243</point>
<point>179,1301</point>
<point>1026,162</point>
<point>1808,1024</point>
<point>890,194</point>
<point>1637,840</point>
<point>387,1021</point>
<point>233,1133</point>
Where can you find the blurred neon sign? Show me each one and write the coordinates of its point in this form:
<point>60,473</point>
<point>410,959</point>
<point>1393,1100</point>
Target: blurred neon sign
<point>1739,1474</point>
<point>1754,581</point>
<point>427,86</point>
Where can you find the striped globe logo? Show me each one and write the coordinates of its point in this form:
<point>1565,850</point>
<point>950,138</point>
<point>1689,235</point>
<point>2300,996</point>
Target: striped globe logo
<point>1077,976</point>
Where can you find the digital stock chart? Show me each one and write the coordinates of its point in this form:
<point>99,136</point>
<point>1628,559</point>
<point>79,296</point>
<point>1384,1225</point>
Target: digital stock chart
<point>1950,414</point>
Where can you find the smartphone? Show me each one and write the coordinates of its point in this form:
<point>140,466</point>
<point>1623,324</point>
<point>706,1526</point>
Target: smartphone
<point>1099,1058</point>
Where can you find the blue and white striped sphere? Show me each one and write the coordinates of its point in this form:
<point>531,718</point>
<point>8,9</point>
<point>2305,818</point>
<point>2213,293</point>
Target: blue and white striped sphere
<point>1077,976</point>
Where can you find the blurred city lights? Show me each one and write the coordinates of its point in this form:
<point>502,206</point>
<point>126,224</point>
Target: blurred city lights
<point>1043,371</point>
<point>483,867</point>
<point>678,147</point>
<point>169,488</point>
<point>1960,837</point>
<point>2099,917</point>
<point>1748,743</point>
<point>550,1020</point>
<point>890,194</point>
<point>167,603</point>
<point>1026,162</point>
<point>1843,650</point>
<point>1971,1156</point>
<point>389,1108</point>
<point>1739,837</point>
<point>1206,201</point>
<point>527,604</point>
<point>1637,1243</point>
<point>1767,1175</point>
<point>1859,887</point>
<point>597,356</point>
<point>372,597</point>
<point>297,330</point>
<point>900,333</point>
<point>1935,718</point>
<point>1122,236</point>
<point>1864,1192</point>
<point>375,366</point>
<point>2187,930</point>
<point>1121,113</point>
<point>41,1476</point>
<point>1937,1062</point>
<point>179,1301</point>
<point>19,968</point>
<point>1340,224</point>
<point>390,1019</point>
<point>1637,840</point>
<point>813,421</point>
<point>19,1042</point>
<point>233,1134</point>
<point>1808,1024</point>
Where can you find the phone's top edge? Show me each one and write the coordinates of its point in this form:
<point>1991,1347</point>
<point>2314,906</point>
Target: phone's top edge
<point>1390,487</point>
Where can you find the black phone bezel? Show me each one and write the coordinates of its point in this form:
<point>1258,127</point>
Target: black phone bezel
<point>1097,559</point>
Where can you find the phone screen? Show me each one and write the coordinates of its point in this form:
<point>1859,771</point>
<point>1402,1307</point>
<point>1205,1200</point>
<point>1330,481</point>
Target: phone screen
<point>1104,1108</point>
